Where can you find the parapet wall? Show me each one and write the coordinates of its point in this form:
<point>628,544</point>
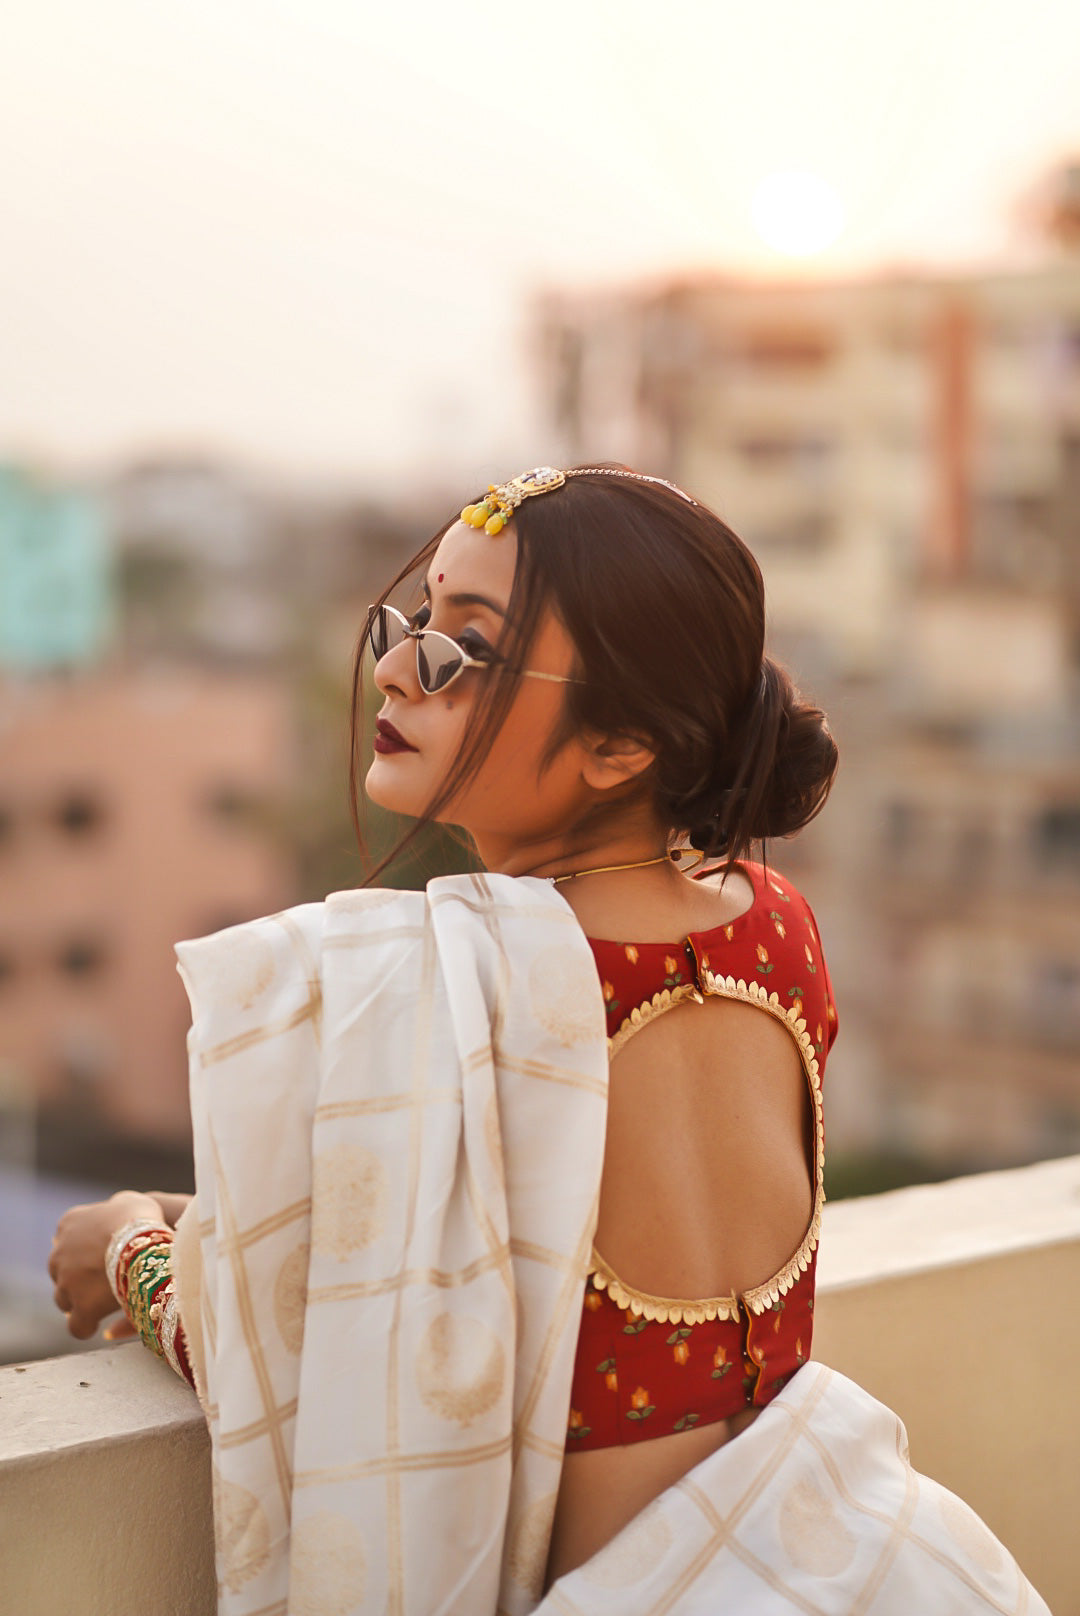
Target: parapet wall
<point>958,1304</point>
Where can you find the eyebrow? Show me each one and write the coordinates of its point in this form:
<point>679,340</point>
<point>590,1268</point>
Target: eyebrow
<point>468,600</point>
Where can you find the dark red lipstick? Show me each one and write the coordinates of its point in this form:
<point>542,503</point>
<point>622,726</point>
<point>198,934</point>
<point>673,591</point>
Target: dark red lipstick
<point>388,739</point>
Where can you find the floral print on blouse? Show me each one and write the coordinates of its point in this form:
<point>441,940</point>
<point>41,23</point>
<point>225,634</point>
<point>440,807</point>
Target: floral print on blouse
<point>638,1376</point>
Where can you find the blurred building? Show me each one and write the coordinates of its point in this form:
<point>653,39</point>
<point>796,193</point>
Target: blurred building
<point>175,650</point>
<point>133,812</point>
<point>217,568</point>
<point>56,595</point>
<point>903,456</point>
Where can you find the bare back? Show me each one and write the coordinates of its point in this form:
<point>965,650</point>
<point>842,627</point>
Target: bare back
<point>707,1190</point>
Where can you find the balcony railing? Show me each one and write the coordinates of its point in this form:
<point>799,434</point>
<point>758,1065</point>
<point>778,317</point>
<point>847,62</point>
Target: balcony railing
<point>958,1304</point>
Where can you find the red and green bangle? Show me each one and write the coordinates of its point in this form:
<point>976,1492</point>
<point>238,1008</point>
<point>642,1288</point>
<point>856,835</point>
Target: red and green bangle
<point>138,1265</point>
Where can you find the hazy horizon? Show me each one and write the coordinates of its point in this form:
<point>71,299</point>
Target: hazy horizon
<point>309,238</point>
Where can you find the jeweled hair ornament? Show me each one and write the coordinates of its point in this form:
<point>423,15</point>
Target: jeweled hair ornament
<point>501,501</point>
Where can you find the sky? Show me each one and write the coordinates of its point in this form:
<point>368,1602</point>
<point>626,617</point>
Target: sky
<point>308,235</point>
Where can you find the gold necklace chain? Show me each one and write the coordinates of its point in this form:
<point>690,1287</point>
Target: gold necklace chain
<point>607,869</point>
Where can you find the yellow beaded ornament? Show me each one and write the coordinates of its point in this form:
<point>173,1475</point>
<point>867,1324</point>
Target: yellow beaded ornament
<point>500,502</point>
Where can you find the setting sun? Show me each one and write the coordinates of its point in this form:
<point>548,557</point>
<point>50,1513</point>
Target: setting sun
<point>797,212</point>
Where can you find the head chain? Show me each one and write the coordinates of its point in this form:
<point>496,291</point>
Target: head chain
<point>501,500</point>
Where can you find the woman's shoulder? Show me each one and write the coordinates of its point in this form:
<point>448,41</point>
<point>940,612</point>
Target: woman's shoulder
<point>771,896</point>
<point>777,925</point>
<point>725,903</point>
<point>773,942</point>
<point>777,945</point>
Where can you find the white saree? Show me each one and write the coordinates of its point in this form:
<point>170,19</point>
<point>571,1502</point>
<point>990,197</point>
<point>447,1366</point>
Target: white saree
<point>399,1105</point>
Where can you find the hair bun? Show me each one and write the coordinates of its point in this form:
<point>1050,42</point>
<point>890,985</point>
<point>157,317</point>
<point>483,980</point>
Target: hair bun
<point>709,834</point>
<point>789,760</point>
<point>785,761</point>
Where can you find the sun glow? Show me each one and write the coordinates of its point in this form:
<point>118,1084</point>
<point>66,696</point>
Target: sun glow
<point>797,213</point>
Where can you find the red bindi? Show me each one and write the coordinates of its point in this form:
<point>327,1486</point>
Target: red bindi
<point>440,578</point>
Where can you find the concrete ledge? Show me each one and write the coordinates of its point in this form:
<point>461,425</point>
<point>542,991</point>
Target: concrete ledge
<point>958,1304</point>
<point>104,1489</point>
<point>942,1225</point>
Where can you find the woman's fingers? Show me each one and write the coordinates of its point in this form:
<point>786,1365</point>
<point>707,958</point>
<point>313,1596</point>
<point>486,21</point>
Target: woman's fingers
<point>77,1261</point>
<point>81,1325</point>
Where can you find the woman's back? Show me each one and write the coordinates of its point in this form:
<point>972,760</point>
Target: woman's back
<point>711,1185</point>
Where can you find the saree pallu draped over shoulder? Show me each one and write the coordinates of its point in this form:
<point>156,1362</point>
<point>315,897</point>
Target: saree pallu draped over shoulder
<point>399,1105</point>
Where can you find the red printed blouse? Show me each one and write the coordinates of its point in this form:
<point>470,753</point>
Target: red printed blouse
<point>649,1365</point>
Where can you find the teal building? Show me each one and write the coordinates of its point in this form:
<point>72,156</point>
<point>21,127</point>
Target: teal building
<point>57,603</point>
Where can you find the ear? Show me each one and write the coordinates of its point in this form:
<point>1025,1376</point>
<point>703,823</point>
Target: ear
<point>612,760</point>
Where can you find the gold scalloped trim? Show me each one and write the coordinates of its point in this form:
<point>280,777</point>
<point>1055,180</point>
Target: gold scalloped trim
<point>658,1005</point>
<point>665,1309</point>
<point>762,1297</point>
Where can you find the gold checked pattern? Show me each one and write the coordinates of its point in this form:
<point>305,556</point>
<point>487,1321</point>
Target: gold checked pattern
<point>357,1157</point>
<point>815,1507</point>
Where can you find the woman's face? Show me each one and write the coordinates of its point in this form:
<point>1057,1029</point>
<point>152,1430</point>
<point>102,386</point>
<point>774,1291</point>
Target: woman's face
<point>512,804</point>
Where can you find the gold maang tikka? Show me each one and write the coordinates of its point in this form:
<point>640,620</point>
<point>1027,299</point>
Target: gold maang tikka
<point>499,503</point>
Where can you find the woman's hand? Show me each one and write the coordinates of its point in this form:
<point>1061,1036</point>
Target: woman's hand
<point>77,1261</point>
<point>172,1204</point>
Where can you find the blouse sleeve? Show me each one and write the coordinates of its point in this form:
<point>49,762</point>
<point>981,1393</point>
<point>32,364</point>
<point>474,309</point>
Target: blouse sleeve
<point>830,1001</point>
<point>138,1265</point>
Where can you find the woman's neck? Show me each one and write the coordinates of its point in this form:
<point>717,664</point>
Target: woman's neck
<point>613,879</point>
<point>650,902</point>
<point>555,857</point>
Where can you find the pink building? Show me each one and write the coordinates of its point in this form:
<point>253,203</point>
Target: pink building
<point>136,808</point>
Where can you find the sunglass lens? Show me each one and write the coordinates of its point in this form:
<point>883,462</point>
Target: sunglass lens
<point>437,661</point>
<point>386,632</point>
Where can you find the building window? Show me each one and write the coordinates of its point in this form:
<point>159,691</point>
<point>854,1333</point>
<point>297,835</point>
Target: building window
<point>787,348</point>
<point>1055,1001</point>
<point>81,957</point>
<point>812,533</point>
<point>904,335</point>
<point>79,813</point>
<point>234,804</point>
<point>1057,834</point>
<point>85,1058</point>
<point>905,825</point>
<point>805,455</point>
<point>974,849</point>
<point>1012,537</point>
<point>1057,1130</point>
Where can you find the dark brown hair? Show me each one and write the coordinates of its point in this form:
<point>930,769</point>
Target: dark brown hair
<point>665,607</point>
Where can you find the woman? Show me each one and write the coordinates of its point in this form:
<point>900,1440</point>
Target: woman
<point>583,688</point>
